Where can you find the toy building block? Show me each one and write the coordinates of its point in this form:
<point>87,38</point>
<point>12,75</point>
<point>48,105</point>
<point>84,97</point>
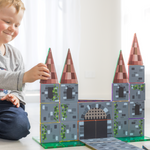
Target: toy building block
<point>136,73</point>
<point>95,129</point>
<point>49,113</point>
<point>69,93</point>
<point>68,112</point>
<point>120,91</point>
<point>120,81</point>
<point>95,110</point>
<point>136,109</point>
<point>137,92</point>
<point>120,128</point>
<point>136,127</point>
<point>68,131</point>
<point>69,74</point>
<point>135,57</point>
<point>120,110</point>
<point>50,65</point>
<point>108,143</point>
<point>134,138</point>
<point>49,93</point>
<point>49,132</point>
<point>120,72</point>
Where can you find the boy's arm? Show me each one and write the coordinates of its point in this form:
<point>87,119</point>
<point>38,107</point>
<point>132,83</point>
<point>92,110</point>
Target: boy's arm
<point>11,69</point>
<point>20,91</point>
<point>11,80</point>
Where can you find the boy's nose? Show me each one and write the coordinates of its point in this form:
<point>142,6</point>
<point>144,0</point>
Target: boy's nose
<point>11,28</point>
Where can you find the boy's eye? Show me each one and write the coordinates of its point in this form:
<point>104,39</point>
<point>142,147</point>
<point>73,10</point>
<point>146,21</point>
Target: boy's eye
<point>7,21</point>
<point>16,26</point>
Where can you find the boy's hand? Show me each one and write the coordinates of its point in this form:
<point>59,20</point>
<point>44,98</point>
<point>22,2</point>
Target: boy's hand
<point>40,71</point>
<point>13,99</point>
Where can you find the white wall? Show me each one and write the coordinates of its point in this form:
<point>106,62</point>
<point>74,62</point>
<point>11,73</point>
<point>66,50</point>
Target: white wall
<point>100,46</point>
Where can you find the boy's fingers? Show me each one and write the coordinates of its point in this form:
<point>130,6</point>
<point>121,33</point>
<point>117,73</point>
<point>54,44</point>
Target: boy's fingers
<point>43,78</point>
<point>4,98</point>
<point>45,74</point>
<point>41,64</point>
<point>18,105</point>
<point>9,95</point>
<point>44,69</point>
<point>11,99</point>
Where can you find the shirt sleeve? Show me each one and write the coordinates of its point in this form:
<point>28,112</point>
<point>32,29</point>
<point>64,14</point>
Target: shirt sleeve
<point>11,73</point>
<point>11,80</point>
<point>20,92</point>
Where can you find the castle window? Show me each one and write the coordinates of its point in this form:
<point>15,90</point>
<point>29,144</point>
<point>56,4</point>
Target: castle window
<point>50,93</point>
<point>137,107</point>
<point>69,93</point>
<point>121,92</point>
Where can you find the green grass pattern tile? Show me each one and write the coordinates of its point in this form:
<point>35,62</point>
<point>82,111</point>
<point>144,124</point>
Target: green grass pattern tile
<point>134,139</point>
<point>58,144</point>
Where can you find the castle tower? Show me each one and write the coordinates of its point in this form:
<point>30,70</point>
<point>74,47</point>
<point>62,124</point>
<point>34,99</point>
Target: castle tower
<point>137,90</point>
<point>120,98</point>
<point>120,81</point>
<point>49,105</point>
<point>68,101</point>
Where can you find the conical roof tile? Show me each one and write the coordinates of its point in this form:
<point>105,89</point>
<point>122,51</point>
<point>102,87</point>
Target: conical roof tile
<point>50,65</point>
<point>135,57</point>
<point>120,73</point>
<point>69,75</point>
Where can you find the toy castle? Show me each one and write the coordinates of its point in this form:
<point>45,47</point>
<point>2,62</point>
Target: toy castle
<point>65,118</point>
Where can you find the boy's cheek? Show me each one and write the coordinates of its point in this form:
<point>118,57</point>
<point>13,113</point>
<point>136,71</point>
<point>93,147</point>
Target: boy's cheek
<point>2,26</point>
<point>15,33</point>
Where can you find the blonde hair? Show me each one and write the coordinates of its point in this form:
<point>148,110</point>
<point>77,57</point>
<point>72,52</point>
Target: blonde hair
<point>18,4</point>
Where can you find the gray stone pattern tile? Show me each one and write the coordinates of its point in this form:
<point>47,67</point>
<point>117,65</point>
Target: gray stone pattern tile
<point>120,91</point>
<point>48,112</point>
<point>71,113</point>
<point>122,128</point>
<point>122,109</point>
<point>136,109</point>
<point>85,107</point>
<point>52,132</point>
<point>69,93</point>
<point>71,130</point>
<point>136,94</point>
<point>134,128</point>
<point>136,73</point>
<point>109,144</point>
<point>46,93</point>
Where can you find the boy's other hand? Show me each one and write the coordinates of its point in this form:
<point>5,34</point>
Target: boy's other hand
<point>39,71</point>
<point>12,98</point>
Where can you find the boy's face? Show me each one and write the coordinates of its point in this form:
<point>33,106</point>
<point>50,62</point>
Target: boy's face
<point>9,23</point>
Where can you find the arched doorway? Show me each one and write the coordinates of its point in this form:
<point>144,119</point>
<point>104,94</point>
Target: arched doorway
<point>95,124</point>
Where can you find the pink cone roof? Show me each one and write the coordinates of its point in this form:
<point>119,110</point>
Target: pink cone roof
<point>135,57</point>
<point>120,73</point>
<point>69,74</point>
<point>50,65</point>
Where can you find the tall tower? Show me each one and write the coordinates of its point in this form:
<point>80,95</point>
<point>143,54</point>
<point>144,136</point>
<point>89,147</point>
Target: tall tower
<point>49,105</point>
<point>120,98</point>
<point>68,101</point>
<point>137,90</point>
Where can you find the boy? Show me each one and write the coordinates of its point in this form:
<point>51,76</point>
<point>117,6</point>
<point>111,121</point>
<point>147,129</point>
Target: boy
<point>14,123</point>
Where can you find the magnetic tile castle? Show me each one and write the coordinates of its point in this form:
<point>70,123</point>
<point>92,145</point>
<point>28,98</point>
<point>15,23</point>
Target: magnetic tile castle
<point>65,118</point>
